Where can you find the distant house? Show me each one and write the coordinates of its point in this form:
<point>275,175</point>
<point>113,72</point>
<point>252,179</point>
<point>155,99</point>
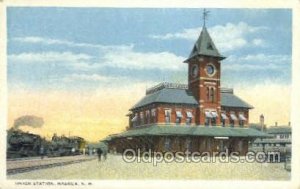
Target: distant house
<point>281,140</point>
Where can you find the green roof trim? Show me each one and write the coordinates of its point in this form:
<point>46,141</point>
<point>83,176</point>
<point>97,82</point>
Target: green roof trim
<point>216,131</point>
<point>205,46</point>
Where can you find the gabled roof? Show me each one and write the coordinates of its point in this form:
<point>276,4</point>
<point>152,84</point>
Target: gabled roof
<point>183,130</point>
<point>279,130</point>
<point>205,46</point>
<point>172,93</point>
<point>168,95</point>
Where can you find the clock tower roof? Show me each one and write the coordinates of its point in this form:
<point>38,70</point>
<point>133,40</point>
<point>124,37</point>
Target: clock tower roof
<point>205,46</point>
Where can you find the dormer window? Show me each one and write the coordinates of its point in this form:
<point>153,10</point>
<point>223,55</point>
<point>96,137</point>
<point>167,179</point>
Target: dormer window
<point>209,46</point>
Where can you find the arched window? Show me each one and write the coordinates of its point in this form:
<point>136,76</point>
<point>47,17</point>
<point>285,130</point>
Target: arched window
<point>212,95</point>
<point>207,93</point>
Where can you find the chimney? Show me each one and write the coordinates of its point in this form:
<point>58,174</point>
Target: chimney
<point>276,124</point>
<point>262,122</point>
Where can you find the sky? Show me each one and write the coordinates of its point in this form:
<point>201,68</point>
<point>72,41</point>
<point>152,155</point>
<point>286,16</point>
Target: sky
<point>81,69</point>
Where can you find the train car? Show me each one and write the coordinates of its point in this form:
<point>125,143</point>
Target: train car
<point>23,144</point>
<point>65,146</point>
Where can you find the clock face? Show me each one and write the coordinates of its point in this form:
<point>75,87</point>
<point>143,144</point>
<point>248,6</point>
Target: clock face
<point>194,71</point>
<point>210,69</point>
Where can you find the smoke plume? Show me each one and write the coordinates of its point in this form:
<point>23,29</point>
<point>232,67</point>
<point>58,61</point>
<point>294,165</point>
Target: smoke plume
<point>29,120</point>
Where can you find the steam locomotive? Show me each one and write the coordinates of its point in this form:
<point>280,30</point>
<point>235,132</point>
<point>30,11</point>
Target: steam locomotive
<point>23,144</point>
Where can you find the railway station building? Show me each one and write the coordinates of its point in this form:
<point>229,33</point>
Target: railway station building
<point>197,116</point>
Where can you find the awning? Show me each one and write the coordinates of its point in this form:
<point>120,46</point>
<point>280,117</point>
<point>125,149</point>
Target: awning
<point>208,115</point>
<point>134,118</point>
<point>233,116</point>
<point>189,114</point>
<point>242,117</point>
<point>223,115</point>
<point>214,114</point>
<point>178,114</point>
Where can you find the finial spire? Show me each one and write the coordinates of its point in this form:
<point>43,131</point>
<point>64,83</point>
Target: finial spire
<point>205,15</point>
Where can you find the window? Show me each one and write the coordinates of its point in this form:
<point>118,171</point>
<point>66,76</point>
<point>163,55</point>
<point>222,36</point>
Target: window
<point>278,136</point>
<point>223,118</point>
<point>178,117</point>
<point>207,93</point>
<point>147,116</point>
<point>153,115</point>
<point>214,118</point>
<point>168,116</point>
<point>233,118</point>
<point>242,119</point>
<point>211,95</point>
<point>189,117</point>
<point>142,118</point>
<point>208,117</point>
<point>134,120</point>
<point>281,136</point>
<point>167,144</point>
<point>209,46</point>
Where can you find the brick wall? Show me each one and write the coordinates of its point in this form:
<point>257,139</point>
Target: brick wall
<point>159,117</point>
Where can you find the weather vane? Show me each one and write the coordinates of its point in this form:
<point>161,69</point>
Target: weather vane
<point>205,15</point>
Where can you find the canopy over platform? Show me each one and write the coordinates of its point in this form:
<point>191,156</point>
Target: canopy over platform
<point>172,130</point>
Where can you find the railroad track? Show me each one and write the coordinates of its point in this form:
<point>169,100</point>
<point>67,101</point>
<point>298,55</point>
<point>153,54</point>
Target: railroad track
<point>37,167</point>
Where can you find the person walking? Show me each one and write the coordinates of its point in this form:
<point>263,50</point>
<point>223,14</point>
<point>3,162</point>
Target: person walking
<point>99,153</point>
<point>42,153</point>
<point>104,153</point>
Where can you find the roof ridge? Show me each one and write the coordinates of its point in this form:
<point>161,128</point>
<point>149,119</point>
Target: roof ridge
<point>167,85</point>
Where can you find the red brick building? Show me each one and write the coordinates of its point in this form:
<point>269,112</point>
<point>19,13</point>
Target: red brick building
<point>199,116</point>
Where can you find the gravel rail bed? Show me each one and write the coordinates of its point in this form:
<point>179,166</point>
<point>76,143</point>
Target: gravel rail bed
<point>37,167</point>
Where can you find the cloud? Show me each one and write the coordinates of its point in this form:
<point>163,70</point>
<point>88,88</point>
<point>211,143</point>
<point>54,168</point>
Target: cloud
<point>49,41</point>
<point>48,57</point>
<point>261,58</point>
<point>259,42</point>
<point>118,56</point>
<point>254,62</point>
<point>143,60</point>
<point>86,77</point>
<point>227,37</point>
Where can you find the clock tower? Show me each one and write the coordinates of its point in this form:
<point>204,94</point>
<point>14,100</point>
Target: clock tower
<point>204,74</point>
